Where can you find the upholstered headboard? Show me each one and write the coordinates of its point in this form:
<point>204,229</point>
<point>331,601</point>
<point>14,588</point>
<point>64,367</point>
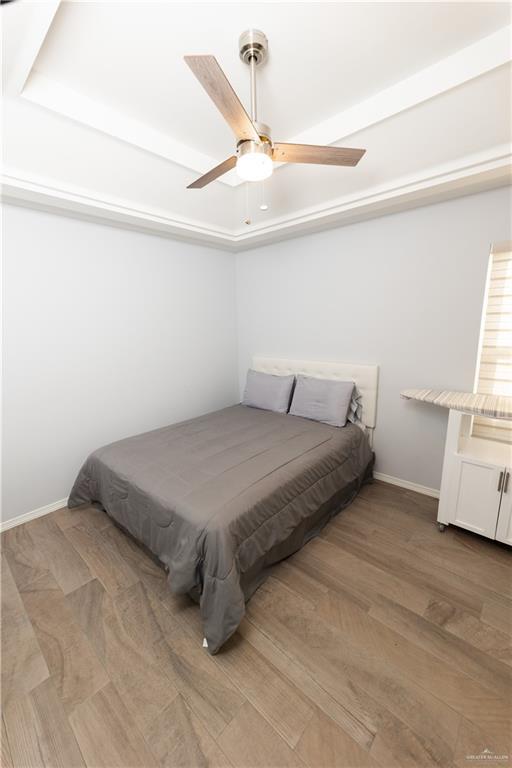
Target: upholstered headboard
<point>366,378</point>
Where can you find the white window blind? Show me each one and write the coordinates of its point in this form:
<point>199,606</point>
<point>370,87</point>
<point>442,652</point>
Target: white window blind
<point>495,366</point>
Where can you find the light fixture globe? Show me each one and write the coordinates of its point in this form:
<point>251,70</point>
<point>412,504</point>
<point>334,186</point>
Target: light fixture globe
<point>254,162</point>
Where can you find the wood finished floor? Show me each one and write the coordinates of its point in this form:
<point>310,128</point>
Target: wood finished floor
<point>382,643</point>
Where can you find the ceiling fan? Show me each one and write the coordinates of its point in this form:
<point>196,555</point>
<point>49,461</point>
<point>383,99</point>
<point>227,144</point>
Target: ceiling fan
<point>255,150</point>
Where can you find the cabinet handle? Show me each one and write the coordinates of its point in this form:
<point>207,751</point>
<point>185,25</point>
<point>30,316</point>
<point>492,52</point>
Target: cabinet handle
<point>507,477</point>
<point>500,481</point>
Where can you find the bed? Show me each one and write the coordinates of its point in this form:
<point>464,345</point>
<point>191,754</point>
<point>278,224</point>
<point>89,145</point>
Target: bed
<point>221,498</point>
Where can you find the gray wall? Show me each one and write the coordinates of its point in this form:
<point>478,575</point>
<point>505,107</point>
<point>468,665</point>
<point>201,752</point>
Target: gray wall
<point>404,291</point>
<point>107,333</point>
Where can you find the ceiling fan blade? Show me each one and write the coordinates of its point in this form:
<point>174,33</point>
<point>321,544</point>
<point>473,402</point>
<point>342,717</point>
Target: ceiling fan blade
<point>311,153</point>
<point>219,170</point>
<point>218,88</point>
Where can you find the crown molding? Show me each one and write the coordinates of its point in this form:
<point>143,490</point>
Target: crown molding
<point>473,173</point>
<point>467,64</point>
<point>49,195</point>
<point>486,170</point>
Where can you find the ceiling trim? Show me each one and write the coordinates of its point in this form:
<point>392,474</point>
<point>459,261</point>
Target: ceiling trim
<point>39,22</point>
<point>47,194</point>
<point>485,170</point>
<point>46,93</point>
<point>473,61</point>
<point>464,65</point>
<point>476,172</point>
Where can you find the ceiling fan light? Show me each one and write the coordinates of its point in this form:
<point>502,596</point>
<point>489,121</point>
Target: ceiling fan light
<point>254,161</point>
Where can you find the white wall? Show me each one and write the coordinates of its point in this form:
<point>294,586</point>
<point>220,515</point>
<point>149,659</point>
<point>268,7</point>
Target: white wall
<point>107,333</point>
<point>404,291</point>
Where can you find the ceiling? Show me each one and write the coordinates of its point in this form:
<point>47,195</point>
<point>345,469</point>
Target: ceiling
<point>103,117</point>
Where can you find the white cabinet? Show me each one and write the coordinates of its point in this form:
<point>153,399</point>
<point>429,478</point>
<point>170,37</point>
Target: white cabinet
<point>478,495</point>
<point>476,488</point>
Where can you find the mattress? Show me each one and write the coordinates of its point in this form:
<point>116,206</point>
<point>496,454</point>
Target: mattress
<point>220,498</point>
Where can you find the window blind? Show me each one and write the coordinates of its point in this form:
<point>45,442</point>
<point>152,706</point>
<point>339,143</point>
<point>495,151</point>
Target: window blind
<point>495,365</point>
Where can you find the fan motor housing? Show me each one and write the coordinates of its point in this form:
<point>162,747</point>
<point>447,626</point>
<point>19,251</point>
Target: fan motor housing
<point>253,45</point>
<point>249,147</point>
<point>264,132</point>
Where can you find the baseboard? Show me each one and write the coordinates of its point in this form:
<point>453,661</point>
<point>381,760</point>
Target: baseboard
<point>4,526</point>
<point>27,516</point>
<point>407,484</point>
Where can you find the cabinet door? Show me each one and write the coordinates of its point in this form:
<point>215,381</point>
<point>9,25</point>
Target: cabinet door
<point>504,529</point>
<point>478,497</point>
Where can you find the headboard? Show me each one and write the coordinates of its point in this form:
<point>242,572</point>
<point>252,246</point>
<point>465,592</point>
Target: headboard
<point>366,378</point>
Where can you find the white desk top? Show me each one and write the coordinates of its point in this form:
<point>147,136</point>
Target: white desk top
<point>493,406</point>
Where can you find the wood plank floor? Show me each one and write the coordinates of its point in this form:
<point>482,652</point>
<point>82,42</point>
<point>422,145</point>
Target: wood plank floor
<point>381,643</point>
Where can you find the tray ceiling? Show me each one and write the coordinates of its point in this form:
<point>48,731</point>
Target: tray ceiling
<point>103,117</point>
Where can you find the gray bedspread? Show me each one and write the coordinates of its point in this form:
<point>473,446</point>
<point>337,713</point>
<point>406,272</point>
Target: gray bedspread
<point>221,497</point>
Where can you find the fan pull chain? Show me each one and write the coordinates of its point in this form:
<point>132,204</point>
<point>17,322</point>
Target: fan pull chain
<point>263,199</point>
<point>247,219</point>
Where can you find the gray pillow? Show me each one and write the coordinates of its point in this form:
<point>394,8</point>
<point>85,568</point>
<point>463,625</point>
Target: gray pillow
<point>322,400</point>
<point>267,391</point>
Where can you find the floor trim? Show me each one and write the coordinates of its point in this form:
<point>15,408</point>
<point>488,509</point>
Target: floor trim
<point>27,516</point>
<point>425,490</point>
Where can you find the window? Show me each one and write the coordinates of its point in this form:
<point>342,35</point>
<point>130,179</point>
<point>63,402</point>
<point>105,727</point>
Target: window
<point>494,375</point>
